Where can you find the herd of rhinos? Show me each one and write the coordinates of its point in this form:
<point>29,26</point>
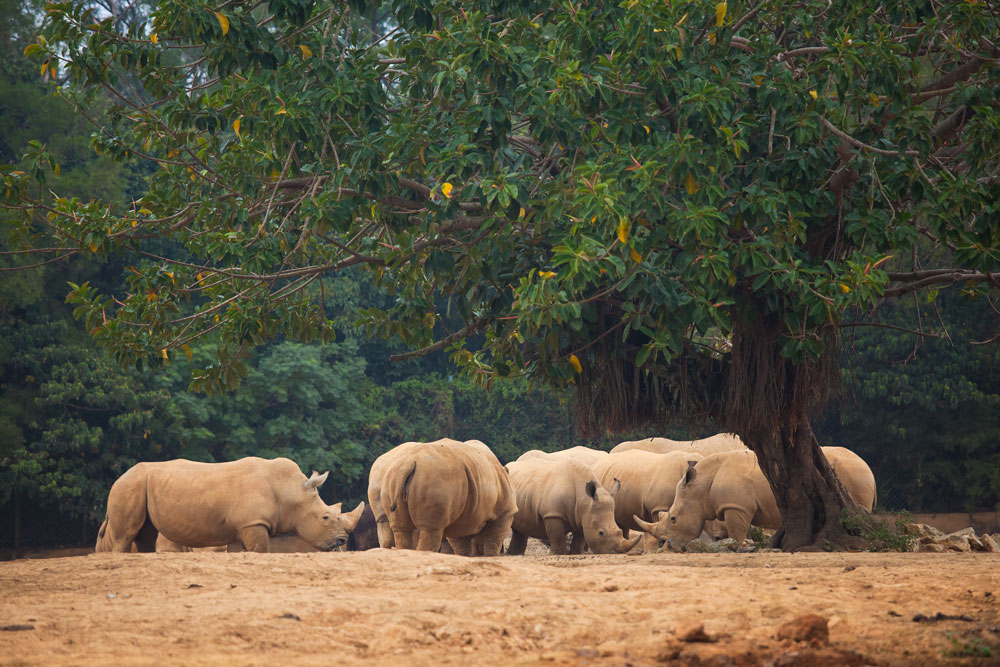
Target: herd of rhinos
<point>421,493</point>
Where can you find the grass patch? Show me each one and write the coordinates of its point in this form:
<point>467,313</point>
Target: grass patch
<point>759,537</point>
<point>967,648</point>
<point>882,532</point>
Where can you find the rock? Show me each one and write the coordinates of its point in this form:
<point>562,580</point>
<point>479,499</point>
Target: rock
<point>923,530</point>
<point>933,547</point>
<point>698,547</point>
<point>957,543</point>
<point>990,544</point>
<point>965,532</point>
<point>976,543</point>
<point>810,628</point>
<point>692,631</point>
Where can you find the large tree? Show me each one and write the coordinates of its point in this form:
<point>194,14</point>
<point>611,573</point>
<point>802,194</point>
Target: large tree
<point>672,205</point>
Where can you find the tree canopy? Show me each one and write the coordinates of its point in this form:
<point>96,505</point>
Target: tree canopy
<point>671,206</point>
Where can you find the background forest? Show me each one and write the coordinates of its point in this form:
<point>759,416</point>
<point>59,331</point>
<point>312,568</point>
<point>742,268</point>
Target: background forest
<point>925,413</point>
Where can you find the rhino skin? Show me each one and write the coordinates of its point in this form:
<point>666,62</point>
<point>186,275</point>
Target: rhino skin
<point>212,504</point>
<point>648,482</point>
<point>722,442</point>
<point>448,489</point>
<point>164,545</point>
<point>557,496</point>
<point>731,487</point>
<point>376,476</point>
<point>586,455</point>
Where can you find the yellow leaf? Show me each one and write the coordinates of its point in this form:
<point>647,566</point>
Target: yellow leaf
<point>45,67</point>
<point>56,169</point>
<point>680,54</point>
<point>623,230</point>
<point>520,214</point>
<point>53,71</point>
<point>575,363</point>
<point>720,13</point>
<point>163,353</point>
<point>422,160</point>
<point>171,276</point>
<point>844,288</point>
<point>236,127</point>
<point>135,222</point>
<point>93,247</point>
<point>446,189</point>
<point>874,98</point>
<point>306,51</point>
<point>280,111</point>
<point>690,184</point>
<point>154,38</point>
<point>681,22</point>
<point>636,257</point>
<point>223,23</point>
<point>646,127</point>
<point>593,220</point>
<point>546,274</point>
<point>216,317</point>
<point>812,94</point>
<point>187,351</point>
<point>758,79</point>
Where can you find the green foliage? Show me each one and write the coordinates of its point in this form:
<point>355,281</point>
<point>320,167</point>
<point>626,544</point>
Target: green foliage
<point>973,647</point>
<point>761,539</point>
<point>882,532</point>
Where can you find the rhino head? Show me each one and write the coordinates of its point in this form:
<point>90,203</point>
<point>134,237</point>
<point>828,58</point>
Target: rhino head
<point>599,528</point>
<point>687,516</point>
<point>321,525</point>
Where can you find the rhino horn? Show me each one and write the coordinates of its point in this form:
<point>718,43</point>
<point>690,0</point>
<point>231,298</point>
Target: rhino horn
<point>316,480</point>
<point>629,544</point>
<point>354,516</point>
<point>643,525</point>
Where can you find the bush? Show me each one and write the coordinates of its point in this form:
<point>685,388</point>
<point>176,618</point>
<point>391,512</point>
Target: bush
<point>882,532</point>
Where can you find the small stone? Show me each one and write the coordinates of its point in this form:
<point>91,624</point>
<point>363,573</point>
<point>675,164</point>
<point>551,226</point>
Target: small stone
<point>692,631</point>
<point>610,588</point>
<point>806,628</point>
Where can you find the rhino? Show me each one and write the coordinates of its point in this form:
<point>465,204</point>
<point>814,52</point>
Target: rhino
<point>447,489</point>
<point>556,496</point>
<point>730,486</point>
<point>211,504</point>
<point>586,455</point>
<point>364,535</point>
<point>722,442</point>
<point>648,482</point>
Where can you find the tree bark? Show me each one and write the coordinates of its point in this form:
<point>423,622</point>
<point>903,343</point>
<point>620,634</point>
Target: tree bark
<point>808,493</point>
<point>768,402</point>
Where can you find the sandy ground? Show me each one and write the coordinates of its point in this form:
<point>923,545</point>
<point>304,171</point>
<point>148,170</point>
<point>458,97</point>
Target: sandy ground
<point>408,608</point>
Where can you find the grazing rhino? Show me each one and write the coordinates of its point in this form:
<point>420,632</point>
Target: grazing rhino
<point>723,442</point>
<point>447,489</point>
<point>730,486</point>
<point>586,455</point>
<point>557,496</point>
<point>648,482</point>
<point>365,535</point>
<point>212,504</point>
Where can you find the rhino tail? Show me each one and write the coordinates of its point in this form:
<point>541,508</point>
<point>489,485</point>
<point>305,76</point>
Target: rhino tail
<point>404,491</point>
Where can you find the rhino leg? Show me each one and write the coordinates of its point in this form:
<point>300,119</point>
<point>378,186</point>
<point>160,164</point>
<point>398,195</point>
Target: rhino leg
<point>518,543</point>
<point>430,539</point>
<point>737,524</point>
<point>461,546</point>
<point>490,539</point>
<point>578,543</point>
<point>145,541</point>
<point>255,538</point>
<point>556,529</point>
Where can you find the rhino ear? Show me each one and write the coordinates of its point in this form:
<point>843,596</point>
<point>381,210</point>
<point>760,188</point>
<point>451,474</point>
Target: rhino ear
<point>690,473</point>
<point>316,480</point>
<point>591,489</point>
<point>615,488</point>
<point>336,508</point>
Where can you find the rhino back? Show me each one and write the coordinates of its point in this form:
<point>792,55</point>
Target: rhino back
<point>854,474</point>
<point>634,469</point>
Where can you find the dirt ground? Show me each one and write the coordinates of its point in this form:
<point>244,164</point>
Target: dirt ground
<point>386,607</point>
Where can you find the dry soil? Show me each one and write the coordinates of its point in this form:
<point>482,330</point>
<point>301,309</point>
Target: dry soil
<point>385,607</point>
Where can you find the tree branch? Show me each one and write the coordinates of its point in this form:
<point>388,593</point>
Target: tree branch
<point>443,343</point>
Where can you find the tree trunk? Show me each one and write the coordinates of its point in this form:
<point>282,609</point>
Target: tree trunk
<point>808,493</point>
<point>768,402</point>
